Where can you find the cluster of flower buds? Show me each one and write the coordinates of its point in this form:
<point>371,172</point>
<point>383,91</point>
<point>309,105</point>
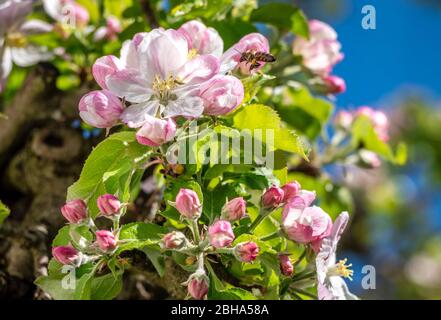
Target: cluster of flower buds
<point>218,239</point>
<point>76,212</point>
<point>275,197</point>
<point>320,53</point>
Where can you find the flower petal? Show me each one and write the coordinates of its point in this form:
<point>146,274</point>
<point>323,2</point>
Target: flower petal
<point>35,27</point>
<point>30,55</point>
<point>137,114</point>
<point>189,107</point>
<point>199,69</point>
<point>130,85</point>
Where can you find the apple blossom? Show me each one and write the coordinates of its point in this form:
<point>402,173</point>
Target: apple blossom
<point>15,45</point>
<point>173,240</point>
<point>253,42</point>
<point>198,287</point>
<point>334,84</point>
<point>321,51</point>
<point>290,190</point>
<point>379,121</point>
<point>272,197</point>
<point>331,285</point>
<point>246,251</point>
<point>221,95</point>
<point>100,109</point>
<point>344,119</point>
<point>159,78</point>
<point>285,265</point>
<point>108,204</point>
<point>74,211</point>
<point>368,159</point>
<point>187,203</point>
<point>156,132</point>
<point>305,225</point>
<point>67,11</point>
<point>201,38</point>
<point>220,234</point>
<point>65,254</point>
<point>110,31</point>
<point>105,240</point>
<point>234,209</point>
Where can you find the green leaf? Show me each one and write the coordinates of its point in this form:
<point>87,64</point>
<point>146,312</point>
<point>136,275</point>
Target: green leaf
<point>277,14</point>
<point>157,259</point>
<point>109,169</point>
<point>300,24</point>
<point>137,235</point>
<point>365,136</point>
<point>53,287</point>
<point>304,112</point>
<point>106,287</point>
<point>219,291</point>
<point>83,288</point>
<point>259,117</point>
<point>4,212</point>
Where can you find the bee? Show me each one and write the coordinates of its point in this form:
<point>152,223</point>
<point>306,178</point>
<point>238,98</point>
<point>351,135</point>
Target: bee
<point>255,59</point>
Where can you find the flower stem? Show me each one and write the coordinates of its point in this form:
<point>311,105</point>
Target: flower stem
<point>262,215</point>
<point>195,229</point>
<point>271,236</point>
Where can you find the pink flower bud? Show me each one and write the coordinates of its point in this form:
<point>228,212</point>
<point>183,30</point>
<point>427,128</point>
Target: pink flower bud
<point>285,265</point>
<point>290,190</point>
<point>379,121</point>
<point>343,119</point>
<point>80,13</point>
<point>106,240</point>
<point>74,211</point>
<point>100,109</point>
<point>301,200</point>
<point>221,95</point>
<point>108,204</point>
<point>253,42</point>
<point>173,240</point>
<point>156,132</point>
<point>234,209</point>
<point>335,84</point>
<point>272,197</point>
<point>220,234</point>
<point>113,27</point>
<point>204,40</point>
<point>369,159</point>
<point>321,51</point>
<point>65,254</point>
<point>198,288</point>
<point>187,203</point>
<point>104,67</point>
<point>305,225</point>
<point>246,251</point>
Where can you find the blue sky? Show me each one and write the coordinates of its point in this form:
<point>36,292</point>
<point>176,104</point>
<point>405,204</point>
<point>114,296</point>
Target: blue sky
<point>404,49</point>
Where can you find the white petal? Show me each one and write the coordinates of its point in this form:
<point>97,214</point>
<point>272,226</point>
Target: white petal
<point>30,55</point>
<point>35,27</point>
<point>190,107</point>
<point>136,115</point>
<point>6,64</point>
<point>130,85</point>
<point>166,54</point>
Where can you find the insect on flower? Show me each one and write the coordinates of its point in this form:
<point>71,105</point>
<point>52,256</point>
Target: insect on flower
<point>255,59</point>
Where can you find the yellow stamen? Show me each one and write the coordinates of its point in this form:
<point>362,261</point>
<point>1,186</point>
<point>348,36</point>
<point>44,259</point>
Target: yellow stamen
<point>341,269</point>
<point>163,88</point>
<point>16,39</point>
<point>192,53</point>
